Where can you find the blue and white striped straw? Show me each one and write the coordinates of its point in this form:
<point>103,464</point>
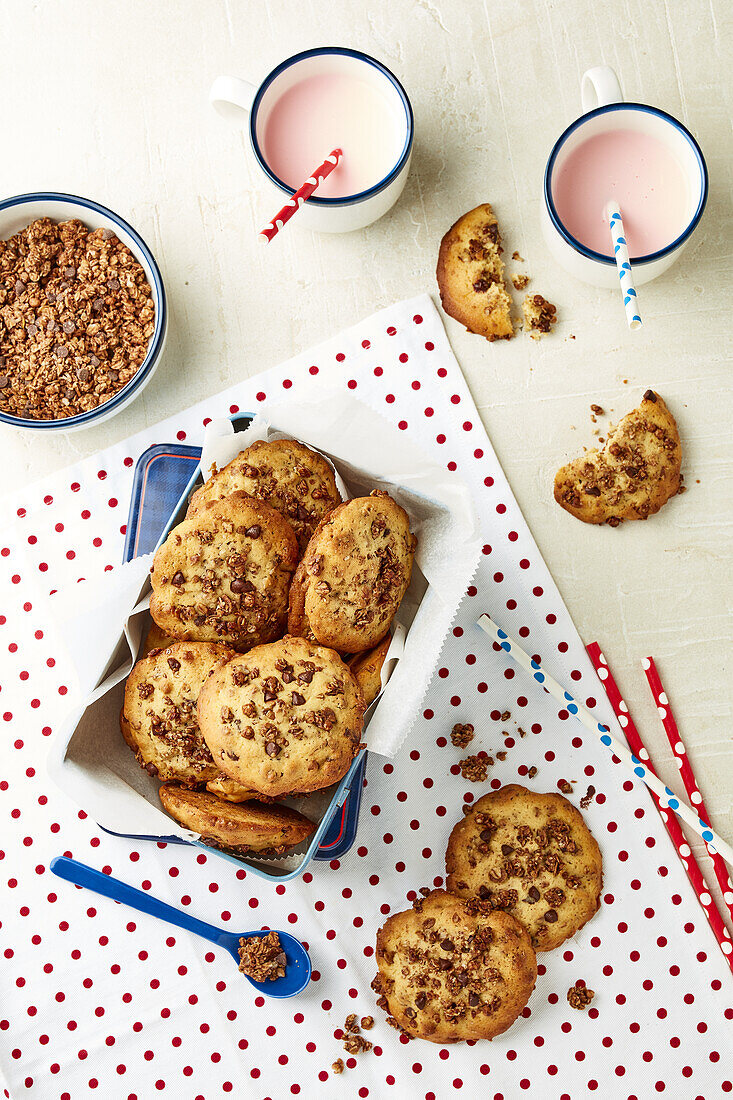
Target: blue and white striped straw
<point>665,796</point>
<point>623,266</point>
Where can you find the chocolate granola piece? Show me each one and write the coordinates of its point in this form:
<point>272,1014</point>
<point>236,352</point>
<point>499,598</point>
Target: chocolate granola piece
<point>462,734</point>
<point>262,958</point>
<point>475,768</point>
<point>579,996</point>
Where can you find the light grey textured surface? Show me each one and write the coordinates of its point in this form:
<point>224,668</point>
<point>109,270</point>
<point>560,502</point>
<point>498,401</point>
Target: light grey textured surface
<point>112,104</point>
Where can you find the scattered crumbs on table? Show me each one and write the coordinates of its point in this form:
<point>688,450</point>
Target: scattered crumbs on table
<point>571,337</point>
<point>588,797</point>
<point>564,786</point>
<point>579,996</point>
<point>354,1042</point>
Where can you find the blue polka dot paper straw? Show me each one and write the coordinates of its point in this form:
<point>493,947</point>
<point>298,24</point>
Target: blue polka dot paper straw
<point>667,798</point>
<point>623,266</point>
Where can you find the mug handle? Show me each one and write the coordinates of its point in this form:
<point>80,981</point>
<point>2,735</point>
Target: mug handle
<point>599,87</point>
<point>232,97</point>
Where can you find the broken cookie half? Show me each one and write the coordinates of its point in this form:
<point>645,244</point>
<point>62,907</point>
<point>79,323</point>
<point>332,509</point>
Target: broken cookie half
<point>471,275</point>
<point>635,473</point>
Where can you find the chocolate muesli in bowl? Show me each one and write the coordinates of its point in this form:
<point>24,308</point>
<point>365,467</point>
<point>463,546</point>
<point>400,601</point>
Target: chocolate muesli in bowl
<point>82,312</point>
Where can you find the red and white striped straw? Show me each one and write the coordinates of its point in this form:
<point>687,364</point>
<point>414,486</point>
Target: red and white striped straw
<point>292,205</point>
<point>671,822</point>
<point>688,776</point>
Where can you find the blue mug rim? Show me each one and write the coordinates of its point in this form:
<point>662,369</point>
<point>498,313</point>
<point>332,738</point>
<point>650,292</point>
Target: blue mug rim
<point>341,200</point>
<point>156,340</point>
<point>623,105</point>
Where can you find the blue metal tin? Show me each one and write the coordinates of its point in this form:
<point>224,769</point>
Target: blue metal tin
<point>163,479</point>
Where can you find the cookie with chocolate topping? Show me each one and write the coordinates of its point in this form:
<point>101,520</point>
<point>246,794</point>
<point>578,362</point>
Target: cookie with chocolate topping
<point>353,575</point>
<point>241,828</point>
<point>159,720</point>
<point>635,473</point>
<point>294,480</point>
<point>284,718</point>
<point>531,855</point>
<point>471,275</point>
<point>451,969</point>
<point>223,575</point>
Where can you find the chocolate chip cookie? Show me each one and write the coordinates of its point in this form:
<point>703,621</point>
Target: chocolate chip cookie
<point>353,575</point>
<point>531,855</point>
<point>453,968</point>
<point>284,718</point>
<point>223,575</point>
<point>290,477</point>
<point>249,827</point>
<point>231,791</point>
<point>159,720</point>
<point>635,473</point>
<point>367,669</point>
<point>471,275</point>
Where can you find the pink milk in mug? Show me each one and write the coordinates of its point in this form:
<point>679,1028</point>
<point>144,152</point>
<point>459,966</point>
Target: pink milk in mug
<point>637,155</point>
<point>315,102</point>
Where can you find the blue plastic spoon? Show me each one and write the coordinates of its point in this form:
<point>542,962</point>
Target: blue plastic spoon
<point>298,963</point>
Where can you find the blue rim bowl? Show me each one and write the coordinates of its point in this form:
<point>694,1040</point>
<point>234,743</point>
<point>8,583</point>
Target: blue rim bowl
<point>341,51</point>
<point>95,215</point>
<point>609,259</point>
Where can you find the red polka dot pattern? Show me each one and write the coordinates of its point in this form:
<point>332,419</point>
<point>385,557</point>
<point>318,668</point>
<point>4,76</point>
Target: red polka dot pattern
<point>92,997</point>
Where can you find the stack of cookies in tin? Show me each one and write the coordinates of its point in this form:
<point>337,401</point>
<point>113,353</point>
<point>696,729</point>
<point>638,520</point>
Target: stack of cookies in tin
<point>271,605</point>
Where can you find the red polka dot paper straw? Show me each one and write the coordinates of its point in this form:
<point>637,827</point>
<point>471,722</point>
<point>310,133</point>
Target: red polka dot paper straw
<point>292,205</point>
<point>688,776</point>
<point>671,823</point>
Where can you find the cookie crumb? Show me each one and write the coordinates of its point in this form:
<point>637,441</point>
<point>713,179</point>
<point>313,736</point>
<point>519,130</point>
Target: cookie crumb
<point>564,786</point>
<point>579,996</point>
<point>516,256</point>
<point>588,797</point>
<point>475,768</point>
<point>521,732</point>
<point>501,756</point>
<point>367,1022</point>
<point>532,772</point>
<point>338,1066</point>
<point>506,716</point>
<point>598,410</point>
<point>520,282</point>
<point>462,734</point>
<point>262,958</point>
<point>539,314</point>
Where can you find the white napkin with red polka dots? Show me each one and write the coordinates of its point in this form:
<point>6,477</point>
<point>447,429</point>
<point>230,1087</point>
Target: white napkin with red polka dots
<point>98,999</point>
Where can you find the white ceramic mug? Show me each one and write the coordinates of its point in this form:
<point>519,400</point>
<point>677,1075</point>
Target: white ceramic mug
<point>605,109</point>
<point>237,99</point>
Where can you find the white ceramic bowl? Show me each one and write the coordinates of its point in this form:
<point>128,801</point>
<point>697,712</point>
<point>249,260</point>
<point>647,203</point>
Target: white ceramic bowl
<point>19,211</point>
